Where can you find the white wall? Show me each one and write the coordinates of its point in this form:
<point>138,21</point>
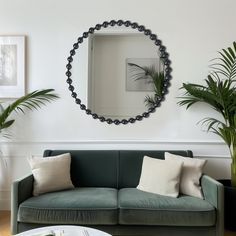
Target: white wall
<point>192,30</point>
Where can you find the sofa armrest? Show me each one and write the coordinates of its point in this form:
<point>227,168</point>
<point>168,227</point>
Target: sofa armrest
<point>21,190</point>
<point>213,192</point>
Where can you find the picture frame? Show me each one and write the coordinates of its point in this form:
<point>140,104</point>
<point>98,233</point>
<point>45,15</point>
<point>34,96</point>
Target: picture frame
<point>12,66</point>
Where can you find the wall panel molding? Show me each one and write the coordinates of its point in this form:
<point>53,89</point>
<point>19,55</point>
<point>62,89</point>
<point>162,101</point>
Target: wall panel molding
<point>139,141</point>
<point>204,148</point>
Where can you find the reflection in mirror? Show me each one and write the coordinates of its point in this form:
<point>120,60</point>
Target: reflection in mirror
<point>121,73</point>
<point>120,68</point>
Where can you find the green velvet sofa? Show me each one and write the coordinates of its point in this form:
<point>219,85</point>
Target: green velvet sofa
<point>106,198</point>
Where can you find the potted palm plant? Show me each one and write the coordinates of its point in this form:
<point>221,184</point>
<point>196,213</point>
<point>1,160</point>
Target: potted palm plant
<point>220,94</point>
<point>31,101</point>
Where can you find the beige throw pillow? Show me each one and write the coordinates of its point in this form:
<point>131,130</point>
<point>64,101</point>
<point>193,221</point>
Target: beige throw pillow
<point>160,176</point>
<point>51,173</point>
<point>191,174</point>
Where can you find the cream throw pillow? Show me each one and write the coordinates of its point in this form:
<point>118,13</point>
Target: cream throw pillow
<point>160,176</point>
<point>191,174</point>
<point>51,173</point>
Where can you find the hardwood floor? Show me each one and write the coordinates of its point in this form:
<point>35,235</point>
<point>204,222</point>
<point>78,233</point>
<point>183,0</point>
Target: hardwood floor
<point>5,225</point>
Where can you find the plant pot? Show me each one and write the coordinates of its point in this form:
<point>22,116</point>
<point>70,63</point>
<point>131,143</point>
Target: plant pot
<point>230,204</point>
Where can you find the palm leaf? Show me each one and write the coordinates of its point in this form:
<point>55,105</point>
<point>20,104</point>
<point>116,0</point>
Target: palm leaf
<point>141,72</point>
<point>228,55</point>
<point>31,101</point>
<point>211,123</point>
<point>227,62</point>
<point>198,93</point>
<point>158,81</point>
<point>150,101</point>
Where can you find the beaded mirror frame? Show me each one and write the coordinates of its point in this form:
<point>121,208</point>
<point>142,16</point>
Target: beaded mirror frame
<point>163,55</point>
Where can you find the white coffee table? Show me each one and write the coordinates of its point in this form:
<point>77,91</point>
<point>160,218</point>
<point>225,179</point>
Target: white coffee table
<point>65,230</point>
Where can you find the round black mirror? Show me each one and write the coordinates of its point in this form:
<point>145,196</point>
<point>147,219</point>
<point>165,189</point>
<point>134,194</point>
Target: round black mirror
<point>145,75</point>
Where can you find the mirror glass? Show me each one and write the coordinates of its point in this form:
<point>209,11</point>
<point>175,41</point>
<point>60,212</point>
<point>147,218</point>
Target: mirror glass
<point>118,73</point>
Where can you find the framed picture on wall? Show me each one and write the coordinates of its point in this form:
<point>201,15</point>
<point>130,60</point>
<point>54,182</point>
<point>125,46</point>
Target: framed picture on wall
<point>12,66</point>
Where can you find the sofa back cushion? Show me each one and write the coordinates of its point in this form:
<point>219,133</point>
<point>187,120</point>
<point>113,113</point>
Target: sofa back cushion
<point>109,168</point>
<point>130,164</point>
<point>92,168</point>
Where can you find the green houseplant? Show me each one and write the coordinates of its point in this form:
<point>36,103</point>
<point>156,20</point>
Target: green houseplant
<point>31,101</point>
<point>220,94</point>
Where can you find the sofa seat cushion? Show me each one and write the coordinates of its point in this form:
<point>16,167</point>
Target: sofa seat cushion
<point>87,206</point>
<point>142,208</point>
